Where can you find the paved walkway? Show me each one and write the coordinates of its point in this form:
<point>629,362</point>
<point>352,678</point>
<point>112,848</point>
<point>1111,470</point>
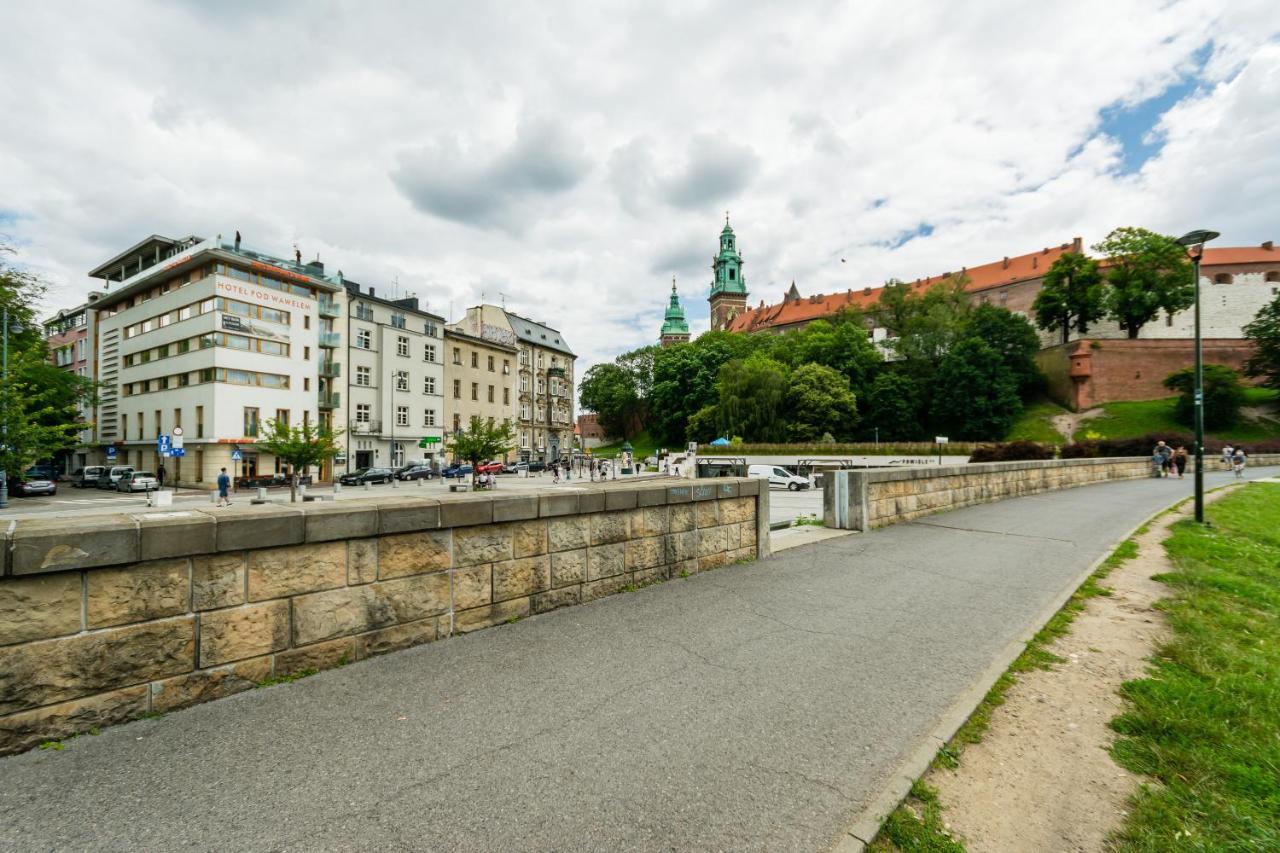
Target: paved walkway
<point>757,707</point>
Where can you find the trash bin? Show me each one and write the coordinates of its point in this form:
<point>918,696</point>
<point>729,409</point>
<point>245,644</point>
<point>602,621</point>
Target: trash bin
<point>262,493</point>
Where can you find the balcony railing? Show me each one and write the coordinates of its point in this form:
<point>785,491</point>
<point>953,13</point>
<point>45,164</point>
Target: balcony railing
<point>329,309</point>
<point>330,369</point>
<point>329,399</point>
<point>330,340</point>
<point>364,314</point>
<point>366,427</point>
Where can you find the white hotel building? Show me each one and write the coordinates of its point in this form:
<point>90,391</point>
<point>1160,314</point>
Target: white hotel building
<point>216,339</point>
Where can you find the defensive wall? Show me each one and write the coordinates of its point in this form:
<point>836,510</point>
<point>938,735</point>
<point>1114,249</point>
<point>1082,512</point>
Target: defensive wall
<point>863,500</point>
<point>105,619</point>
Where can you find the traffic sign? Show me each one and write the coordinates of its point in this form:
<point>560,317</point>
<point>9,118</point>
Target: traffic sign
<point>236,456</point>
<point>177,451</point>
<point>163,443</point>
<point>111,453</point>
<point>176,443</point>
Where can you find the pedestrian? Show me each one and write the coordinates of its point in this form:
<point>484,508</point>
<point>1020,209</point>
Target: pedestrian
<point>1180,460</point>
<point>1157,461</point>
<point>160,475</point>
<point>224,488</point>
<point>555,472</point>
<point>237,240</point>
<point>1164,462</point>
<point>1228,453</point>
<point>297,255</point>
<point>1238,461</point>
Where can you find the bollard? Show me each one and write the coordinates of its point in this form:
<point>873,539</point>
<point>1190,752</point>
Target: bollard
<point>213,497</point>
<point>302,491</point>
<point>337,488</point>
<point>420,479</point>
<point>366,485</point>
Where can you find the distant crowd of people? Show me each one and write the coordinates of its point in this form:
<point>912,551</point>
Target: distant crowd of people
<point>1167,461</point>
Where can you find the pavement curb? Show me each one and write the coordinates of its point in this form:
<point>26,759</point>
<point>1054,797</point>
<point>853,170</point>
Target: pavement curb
<point>866,824</point>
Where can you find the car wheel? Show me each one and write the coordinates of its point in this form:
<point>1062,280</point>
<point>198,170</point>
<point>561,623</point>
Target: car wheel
<point>794,487</point>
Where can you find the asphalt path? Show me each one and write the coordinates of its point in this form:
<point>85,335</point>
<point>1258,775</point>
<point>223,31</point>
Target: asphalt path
<point>757,707</point>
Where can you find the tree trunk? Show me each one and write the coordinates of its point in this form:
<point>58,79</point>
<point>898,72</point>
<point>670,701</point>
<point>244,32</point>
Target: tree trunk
<point>293,485</point>
<point>1066,332</point>
<point>1133,332</point>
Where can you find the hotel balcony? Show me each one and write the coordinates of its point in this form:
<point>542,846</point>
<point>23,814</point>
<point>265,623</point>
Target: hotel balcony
<point>330,340</point>
<point>330,369</point>
<point>329,399</point>
<point>366,427</point>
<point>329,309</point>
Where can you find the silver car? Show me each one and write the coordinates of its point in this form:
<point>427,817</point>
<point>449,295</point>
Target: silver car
<point>138,481</point>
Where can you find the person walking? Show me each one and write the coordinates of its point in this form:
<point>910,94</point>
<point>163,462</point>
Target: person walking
<point>1228,453</point>
<point>1238,461</point>
<point>555,472</point>
<point>224,488</point>
<point>160,472</point>
<point>1165,454</point>
<point>237,240</point>
<point>1180,460</point>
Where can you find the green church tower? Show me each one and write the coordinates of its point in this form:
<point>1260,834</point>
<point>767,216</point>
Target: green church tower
<point>729,287</point>
<point>674,328</point>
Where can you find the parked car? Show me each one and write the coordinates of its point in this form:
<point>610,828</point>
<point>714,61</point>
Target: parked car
<point>27,486</point>
<point>490,468</point>
<point>111,478</point>
<point>42,471</point>
<point>138,481</point>
<point>420,471</point>
<point>535,466</point>
<point>87,477</point>
<point>457,469</point>
<point>778,476</point>
<point>270,481</point>
<point>366,475</point>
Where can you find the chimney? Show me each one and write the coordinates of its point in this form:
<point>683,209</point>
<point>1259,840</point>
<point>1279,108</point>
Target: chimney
<point>1046,251</point>
<point>371,293</point>
<point>1006,262</point>
<point>95,296</point>
<point>1268,245</point>
<point>1035,262</point>
<point>1077,245</point>
<point>866,291</point>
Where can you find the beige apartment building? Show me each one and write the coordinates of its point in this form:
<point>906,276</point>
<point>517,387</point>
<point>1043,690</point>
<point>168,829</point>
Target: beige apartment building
<point>480,380</point>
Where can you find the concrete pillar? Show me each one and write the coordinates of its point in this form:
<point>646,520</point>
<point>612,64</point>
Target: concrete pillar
<point>763,547</point>
<point>844,500</point>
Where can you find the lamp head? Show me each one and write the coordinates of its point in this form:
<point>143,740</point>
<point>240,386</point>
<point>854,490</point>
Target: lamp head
<point>1195,240</point>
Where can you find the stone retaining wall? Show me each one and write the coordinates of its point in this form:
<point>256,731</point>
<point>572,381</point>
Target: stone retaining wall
<point>105,619</point>
<point>862,500</point>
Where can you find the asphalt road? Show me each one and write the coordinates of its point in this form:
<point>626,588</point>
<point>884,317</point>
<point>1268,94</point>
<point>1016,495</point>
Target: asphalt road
<point>757,707</point>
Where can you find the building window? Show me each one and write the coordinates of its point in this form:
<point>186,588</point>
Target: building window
<point>402,416</point>
<point>397,321</point>
<point>282,416</point>
<point>306,321</point>
<point>506,396</point>
<point>199,421</point>
<point>402,381</point>
<point>429,418</point>
<point>362,413</point>
<point>475,391</point>
<point>402,346</point>
<point>457,422</point>
<point>457,389</point>
<point>1222,278</point>
<point>541,387</point>
<point>429,352</point>
<point>1004,297</point>
<point>539,361</point>
<point>491,364</point>
<point>490,393</point>
<point>457,356</point>
<point>364,339</point>
<point>1271,276</point>
<point>306,383</point>
<point>429,329</point>
<point>429,385</point>
<point>475,359</point>
<point>364,376</point>
<point>306,353</point>
<point>250,422</point>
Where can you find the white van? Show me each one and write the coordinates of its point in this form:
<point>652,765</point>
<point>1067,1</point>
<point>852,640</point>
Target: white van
<point>778,476</point>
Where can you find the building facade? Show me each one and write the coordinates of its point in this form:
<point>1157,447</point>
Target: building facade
<point>544,379</point>
<point>71,335</point>
<point>728,298</point>
<point>480,380</point>
<point>207,340</point>
<point>675,329</point>
<point>395,381</point>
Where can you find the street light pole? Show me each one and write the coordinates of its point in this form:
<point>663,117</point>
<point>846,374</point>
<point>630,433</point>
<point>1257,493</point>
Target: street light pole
<point>4,414</point>
<point>1195,241</point>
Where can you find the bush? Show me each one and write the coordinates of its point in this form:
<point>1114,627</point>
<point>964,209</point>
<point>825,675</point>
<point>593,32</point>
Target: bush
<point>1141,446</point>
<point>1223,396</point>
<point>1012,451</point>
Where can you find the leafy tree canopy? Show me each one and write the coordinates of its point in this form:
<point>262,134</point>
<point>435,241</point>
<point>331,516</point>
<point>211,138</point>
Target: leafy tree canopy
<point>1264,333</point>
<point>481,441</point>
<point>611,392</point>
<point>1072,296</point>
<point>299,447</point>
<point>1148,273</point>
<point>1223,396</point>
<point>752,392</point>
<point>893,407</point>
<point>975,394</point>
<point>818,402</point>
<point>1012,338</point>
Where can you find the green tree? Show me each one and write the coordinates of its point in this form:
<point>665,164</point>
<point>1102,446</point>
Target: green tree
<point>1013,339</point>
<point>482,441</point>
<point>610,392</point>
<point>1223,396</point>
<point>893,409</point>
<point>1147,273</point>
<point>702,425</point>
<point>839,342</point>
<point>1264,332</point>
<point>685,378</point>
<point>929,324</point>
<point>1073,295</point>
<point>818,401</point>
<point>299,447</point>
<point>752,391</point>
<point>975,394</point>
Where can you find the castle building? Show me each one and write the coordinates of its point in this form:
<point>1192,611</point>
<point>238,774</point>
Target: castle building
<point>729,287</point>
<point>675,330</point>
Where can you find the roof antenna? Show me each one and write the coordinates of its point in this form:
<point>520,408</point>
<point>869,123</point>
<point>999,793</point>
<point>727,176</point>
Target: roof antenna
<point>503,298</point>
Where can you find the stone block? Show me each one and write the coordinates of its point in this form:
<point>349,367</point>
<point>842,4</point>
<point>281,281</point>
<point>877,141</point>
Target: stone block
<point>599,589</point>
<point>22,731</point>
<point>707,513</point>
<point>605,561</point>
<point>522,577</point>
<point>44,672</point>
<point>650,521</point>
<point>704,492</point>
<point>747,536</point>
<point>486,617</point>
<point>679,494</point>
<point>354,610</point>
<point>407,554</point>
<point>362,561</point>
<point>183,691</point>
<point>681,518</point>
<point>591,500</point>
<point>406,515</point>
<point>486,544</point>
<point>742,555</point>
<point>749,486</point>
<point>557,598</point>
<point>651,575</point>
<point>651,496</point>
<point>716,540</point>
<point>243,632</point>
<point>325,655</point>
<point>217,580</point>
<point>609,527</point>
<point>568,567</point>
<point>681,547</point>
<point>529,538</point>
<point>556,504</point>
<point>175,534</point>
<point>616,499</point>
<point>514,507</point>
<point>346,520</point>
<point>737,510</point>
<point>472,586</point>
<point>137,593</point>
<point>396,637</point>
<point>726,489</point>
<point>241,528</point>
<point>54,545</point>
<point>713,561</point>
<point>39,607</point>
<point>645,553</point>
<point>564,534</point>
<point>684,569</point>
<point>466,511</point>
<point>279,572</point>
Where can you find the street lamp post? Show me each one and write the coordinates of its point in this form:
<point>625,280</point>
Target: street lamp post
<point>4,415</point>
<point>1194,241</point>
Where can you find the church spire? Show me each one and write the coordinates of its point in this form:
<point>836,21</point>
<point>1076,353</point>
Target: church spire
<point>728,286</point>
<point>674,327</point>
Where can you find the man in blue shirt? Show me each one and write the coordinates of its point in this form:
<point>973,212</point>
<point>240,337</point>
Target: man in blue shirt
<point>224,488</point>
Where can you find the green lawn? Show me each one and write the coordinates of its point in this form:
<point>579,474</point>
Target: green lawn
<point>1034,424</point>
<point>1204,723</point>
<point>641,446</point>
<point>1140,417</point>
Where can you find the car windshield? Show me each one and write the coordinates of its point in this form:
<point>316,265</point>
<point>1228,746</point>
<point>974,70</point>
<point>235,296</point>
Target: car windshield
<point>360,471</point>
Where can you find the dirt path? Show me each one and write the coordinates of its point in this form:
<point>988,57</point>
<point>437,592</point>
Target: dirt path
<point>1041,779</point>
<point>1068,422</point>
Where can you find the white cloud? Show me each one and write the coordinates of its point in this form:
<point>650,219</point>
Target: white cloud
<point>574,158</point>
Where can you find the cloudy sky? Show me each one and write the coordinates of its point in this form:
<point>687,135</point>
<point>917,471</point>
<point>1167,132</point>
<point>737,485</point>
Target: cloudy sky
<point>572,158</point>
